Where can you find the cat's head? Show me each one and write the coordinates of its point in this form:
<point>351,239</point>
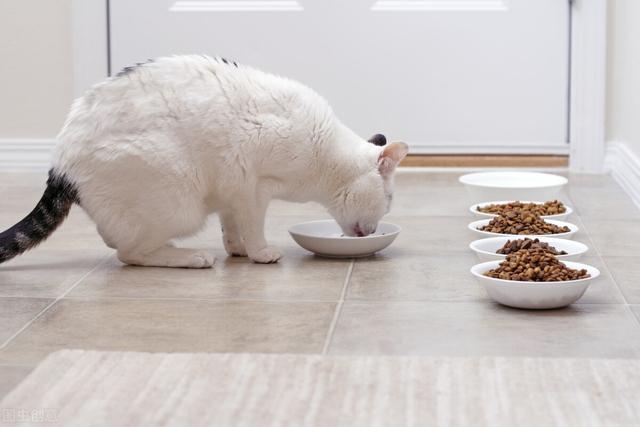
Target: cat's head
<point>363,202</point>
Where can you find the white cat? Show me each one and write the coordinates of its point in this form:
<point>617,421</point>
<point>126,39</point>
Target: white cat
<point>150,153</point>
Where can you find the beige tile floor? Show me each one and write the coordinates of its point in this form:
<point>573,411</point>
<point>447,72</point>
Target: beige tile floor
<point>416,297</point>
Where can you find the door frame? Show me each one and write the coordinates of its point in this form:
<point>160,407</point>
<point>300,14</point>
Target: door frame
<point>586,148</point>
<point>588,85</point>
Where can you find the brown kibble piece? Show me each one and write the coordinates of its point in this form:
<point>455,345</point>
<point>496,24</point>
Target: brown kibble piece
<point>535,265</point>
<point>522,223</point>
<point>553,207</point>
<point>515,245</point>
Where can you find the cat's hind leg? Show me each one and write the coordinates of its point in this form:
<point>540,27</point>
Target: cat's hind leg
<point>139,205</point>
<point>105,238</point>
<point>168,256</point>
<point>141,233</point>
<point>148,245</point>
<point>146,240</point>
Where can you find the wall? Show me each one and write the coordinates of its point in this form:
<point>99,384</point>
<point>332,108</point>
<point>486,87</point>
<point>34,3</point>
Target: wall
<point>35,67</point>
<point>623,73</point>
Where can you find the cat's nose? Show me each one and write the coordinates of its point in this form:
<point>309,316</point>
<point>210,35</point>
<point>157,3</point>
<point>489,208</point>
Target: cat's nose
<point>363,231</point>
<point>358,231</point>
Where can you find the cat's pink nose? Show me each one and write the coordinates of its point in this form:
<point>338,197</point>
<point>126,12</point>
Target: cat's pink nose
<point>361,232</point>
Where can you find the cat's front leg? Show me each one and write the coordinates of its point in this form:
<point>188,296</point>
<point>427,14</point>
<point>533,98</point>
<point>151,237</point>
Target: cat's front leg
<point>231,237</point>
<point>250,221</point>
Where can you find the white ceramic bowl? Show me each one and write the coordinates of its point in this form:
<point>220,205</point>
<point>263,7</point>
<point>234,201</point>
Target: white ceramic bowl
<point>474,209</point>
<point>486,249</point>
<point>573,229</point>
<point>325,238</point>
<point>536,295</point>
<point>512,186</point>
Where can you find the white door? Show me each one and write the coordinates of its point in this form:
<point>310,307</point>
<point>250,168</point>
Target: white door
<point>442,75</point>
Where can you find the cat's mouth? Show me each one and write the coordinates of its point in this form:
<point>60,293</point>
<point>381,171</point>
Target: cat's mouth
<point>360,231</point>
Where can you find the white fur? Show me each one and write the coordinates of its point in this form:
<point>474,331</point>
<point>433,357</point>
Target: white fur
<point>155,151</point>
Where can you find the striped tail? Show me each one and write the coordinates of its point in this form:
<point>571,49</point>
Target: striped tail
<point>49,213</point>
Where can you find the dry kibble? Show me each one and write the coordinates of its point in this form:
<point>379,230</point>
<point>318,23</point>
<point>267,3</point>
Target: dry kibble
<point>515,245</point>
<point>522,222</point>
<point>553,207</point>
<point>535,265</point>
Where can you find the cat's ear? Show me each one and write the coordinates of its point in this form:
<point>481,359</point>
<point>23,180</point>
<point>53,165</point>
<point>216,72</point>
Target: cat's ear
<point>378,139</point>
<point>391,156</point>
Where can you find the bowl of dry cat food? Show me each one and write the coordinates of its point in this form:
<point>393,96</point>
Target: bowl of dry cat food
<point>553,209</point>
<point>523,223</point>
<point>325,238</point>
<point>498,248</point>
<point>505,185</point>
<point>534,279</point>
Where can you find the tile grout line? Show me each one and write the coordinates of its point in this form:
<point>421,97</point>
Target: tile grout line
<point>338,310</point>
<point>606,265</point>
<point>630,310</point>
<point>190,299</point>
<point>44,310</point>
<point>613,279</point>
<point>274,301</point>
<point>16,365</point>
<point>627,305</point>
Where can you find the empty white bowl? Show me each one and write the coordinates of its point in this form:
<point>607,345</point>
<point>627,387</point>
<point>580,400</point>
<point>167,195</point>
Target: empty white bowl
<point>534,295</point>
<point>486,249</point>
<point>515,185</point>
<point>573,229</point>
<point>474,209</point>
<point>325,238</point>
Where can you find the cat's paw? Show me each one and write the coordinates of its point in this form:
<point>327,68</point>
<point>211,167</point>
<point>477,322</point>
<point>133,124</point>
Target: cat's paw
<point>234,248</point>
<point>267,255</point>
<point>201,259</point>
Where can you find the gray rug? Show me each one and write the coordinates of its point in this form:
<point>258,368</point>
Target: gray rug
<point>91,388</point>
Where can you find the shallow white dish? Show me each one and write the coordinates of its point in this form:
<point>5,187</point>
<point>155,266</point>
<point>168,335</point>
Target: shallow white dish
<point>535,295</point>
<point>505,185</point>
<point>573,229</point>
<point>474,209</point>
<point>325,238</point>
<point>486,249</point>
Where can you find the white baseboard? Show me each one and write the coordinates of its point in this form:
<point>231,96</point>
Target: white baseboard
<point>472,147</point>
<point>34,155</point>
<point>623,164</point>
<point>25,155</point>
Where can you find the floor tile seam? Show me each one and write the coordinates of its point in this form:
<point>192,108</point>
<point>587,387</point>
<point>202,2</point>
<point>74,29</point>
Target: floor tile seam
<point>635,315</point>
<point>188,299</point>
<point>353,300</point>
<point>484,303</point>
<point>338,309</point>
<point>606,265</point>
<point>6,343</point>
<point>16,365</point>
